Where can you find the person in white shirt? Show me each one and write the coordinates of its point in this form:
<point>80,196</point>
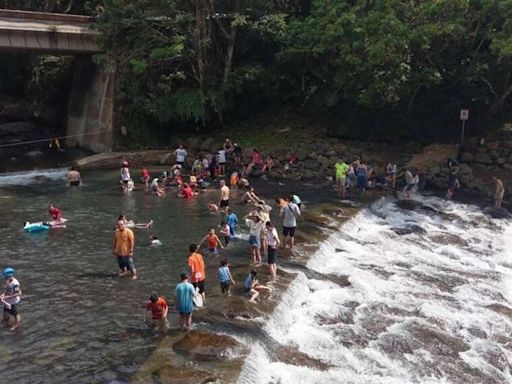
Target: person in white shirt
<point>255,226</point>
<point>290,211</point>
<point>181,155</point>
<point>221,154</point>
<point>272,244</point>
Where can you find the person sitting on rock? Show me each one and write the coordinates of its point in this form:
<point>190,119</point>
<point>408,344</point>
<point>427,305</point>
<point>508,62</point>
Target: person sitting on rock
<point>268,164</point>
<point>256,161</point>
<point>253,287</point>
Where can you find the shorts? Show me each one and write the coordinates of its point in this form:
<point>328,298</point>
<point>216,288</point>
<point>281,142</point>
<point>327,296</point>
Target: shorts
<point>226,239</point>
<point>408,187</point>
<point>222,164</point>
<point>224,286</point>
<point>254,241</point>
<point>74,183</point>
<point>200,285</point>
<point>125,181</point>
<point>180,163</point>
<point>288,231</point>
<point>125,262</point>
<point>13,311</point>
<point>213,251</point>
<point>271,255</point>
<point>340,179</point>
<point>185,313</point>
<point>247,291</point>
<point>224,203</point>
<point>500,195</point>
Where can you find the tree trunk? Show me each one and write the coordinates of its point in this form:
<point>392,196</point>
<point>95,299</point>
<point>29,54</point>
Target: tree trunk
<point>228,64</point>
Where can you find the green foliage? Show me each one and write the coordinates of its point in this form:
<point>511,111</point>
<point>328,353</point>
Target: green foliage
<point>205,61</point>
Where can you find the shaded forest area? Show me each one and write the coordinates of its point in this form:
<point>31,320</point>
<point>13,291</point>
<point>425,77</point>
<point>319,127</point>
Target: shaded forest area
<point>371,69</point>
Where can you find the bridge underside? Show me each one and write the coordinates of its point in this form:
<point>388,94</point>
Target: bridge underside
<point>46,33</point>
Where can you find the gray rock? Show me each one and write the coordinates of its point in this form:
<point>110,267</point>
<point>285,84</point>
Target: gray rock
<point>18,128</point>
<point>466,157</point>
<point>465,169</point>
<point>507,166</point>
<point>312,155</point>
<point>324,161</point>
<point>507,143</point>
<point>483,158</point>
<point>301,154</point>
<point>205,146</point>
<point>501,160</point>
<point>509,160</point>
<point>434,170</point>
<point>493,154</point>
<point>310,164</point>
<point>168,158</point>
<point>481,149</point>
<point>193,142</point>
<point>307,174</point>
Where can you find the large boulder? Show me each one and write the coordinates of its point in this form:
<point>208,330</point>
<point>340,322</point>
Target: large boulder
<point>483,158</point>
<point>466,157</point>
<point>205,146</point>
<point>302,154</point>
<point>210,346</point>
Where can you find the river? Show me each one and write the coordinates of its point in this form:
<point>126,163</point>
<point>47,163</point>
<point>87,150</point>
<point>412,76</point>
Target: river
<point>428,299</point>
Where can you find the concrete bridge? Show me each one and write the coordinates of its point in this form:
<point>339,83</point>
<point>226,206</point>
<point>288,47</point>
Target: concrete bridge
<point>91,102</point>
<point>47,32</point>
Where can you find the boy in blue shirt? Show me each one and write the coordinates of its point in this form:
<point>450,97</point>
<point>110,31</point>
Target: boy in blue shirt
<point>185,294</point>
<point>225,277</point>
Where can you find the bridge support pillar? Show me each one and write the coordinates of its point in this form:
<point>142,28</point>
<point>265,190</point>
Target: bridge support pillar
<point>91,107</point>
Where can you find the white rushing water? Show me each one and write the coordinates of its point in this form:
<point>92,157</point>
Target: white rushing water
<point>429,301</point>
<point>32,177</point>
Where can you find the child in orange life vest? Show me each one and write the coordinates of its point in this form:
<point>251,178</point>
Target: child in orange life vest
<point>212,242</point>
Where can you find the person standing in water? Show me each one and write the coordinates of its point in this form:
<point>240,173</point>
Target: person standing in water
<point>197,270</point>
<point>11,298</point>
<point>158,307</point>
<point>125,176</point>
<point>212,242</point>
<point>74,179</point>
<point>185,294</point>
<point>232,221</point>
<point>122,248</point>
<point>181,155</point>
<point>272,244</point>
<point>289,212</point>
<point>224,197</point>
<point>340,174</point>
<point>499,193</point>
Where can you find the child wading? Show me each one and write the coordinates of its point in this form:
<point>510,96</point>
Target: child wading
<point>158,308</point>
<point>212,242</point>
<point>11,299</point>
<point>225,277</point>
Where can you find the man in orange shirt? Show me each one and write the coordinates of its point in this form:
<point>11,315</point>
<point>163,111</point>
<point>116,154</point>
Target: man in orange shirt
<point>197,270</point>
<point>158,307</point>
<point>122,247</point>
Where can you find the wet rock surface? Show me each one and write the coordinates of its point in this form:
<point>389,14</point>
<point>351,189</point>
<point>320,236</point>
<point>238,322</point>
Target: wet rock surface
<point>210,346</point>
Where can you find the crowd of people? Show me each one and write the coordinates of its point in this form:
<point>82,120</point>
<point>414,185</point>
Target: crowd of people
<point>263,239</point>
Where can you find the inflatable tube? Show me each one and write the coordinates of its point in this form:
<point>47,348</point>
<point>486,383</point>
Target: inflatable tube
<point>35,227</point>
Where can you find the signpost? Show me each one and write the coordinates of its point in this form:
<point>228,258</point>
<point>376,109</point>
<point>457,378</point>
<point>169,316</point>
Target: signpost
<point>464,116</point>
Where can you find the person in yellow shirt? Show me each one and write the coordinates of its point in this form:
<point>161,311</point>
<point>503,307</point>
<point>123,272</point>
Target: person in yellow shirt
<point>122,247</point>
<point>340,170</point>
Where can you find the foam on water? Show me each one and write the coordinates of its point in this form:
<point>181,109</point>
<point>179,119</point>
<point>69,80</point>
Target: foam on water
<point>32,177</point>
<point>430,306</point>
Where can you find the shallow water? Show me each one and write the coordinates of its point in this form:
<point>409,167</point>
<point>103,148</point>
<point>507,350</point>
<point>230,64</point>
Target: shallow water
<point>81,323</point>
<point>429,301</point>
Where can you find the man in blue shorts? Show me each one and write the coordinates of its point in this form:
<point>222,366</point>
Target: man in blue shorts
<point>185,294</point>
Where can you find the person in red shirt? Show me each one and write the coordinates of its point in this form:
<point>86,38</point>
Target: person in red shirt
<point>158,308</point>
<point>187,192</point>
<point>55,213</point>
<point>146,176</point>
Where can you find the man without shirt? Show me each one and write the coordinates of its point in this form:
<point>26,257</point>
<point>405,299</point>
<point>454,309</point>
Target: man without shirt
<point>500,192</point>
<point>74,179</point>
<point>224,197</point>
